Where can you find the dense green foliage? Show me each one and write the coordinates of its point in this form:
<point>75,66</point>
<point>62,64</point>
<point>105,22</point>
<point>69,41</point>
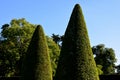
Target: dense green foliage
<point>105,57</point>
<point>54,52</point>
<point>99,69</point>
<point>37,64</point>
<point>13,46</point>
<point>76,60</point>
<point>99,49</point>
<point>15,38</point>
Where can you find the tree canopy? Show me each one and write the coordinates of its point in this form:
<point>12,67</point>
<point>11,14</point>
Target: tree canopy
<point>14,42</point>
<point>105,57</point>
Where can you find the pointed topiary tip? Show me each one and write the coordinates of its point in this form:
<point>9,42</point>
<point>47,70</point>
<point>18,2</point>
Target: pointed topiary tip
<point>39,26</point>
<point>77,5</point>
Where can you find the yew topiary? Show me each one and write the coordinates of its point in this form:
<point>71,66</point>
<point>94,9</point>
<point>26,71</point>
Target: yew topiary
<point>37,61</point>
<point>76,60</point>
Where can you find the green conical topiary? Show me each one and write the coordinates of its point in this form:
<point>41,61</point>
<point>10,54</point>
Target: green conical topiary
<point>76,60</point>
<point>37,61</point>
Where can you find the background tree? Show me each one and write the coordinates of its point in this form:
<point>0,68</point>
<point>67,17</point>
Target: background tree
<point>57,39</point>
<point>105,57</point>
<point>14,42</point>
<point>76,60</point>
<point>117,69</point>
<point>8,58</point>
<point>5,26</point>
<point>37,64</point>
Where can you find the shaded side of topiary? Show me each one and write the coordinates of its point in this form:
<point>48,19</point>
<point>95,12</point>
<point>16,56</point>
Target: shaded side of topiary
<point>76,60</point>
<point>37,61</point>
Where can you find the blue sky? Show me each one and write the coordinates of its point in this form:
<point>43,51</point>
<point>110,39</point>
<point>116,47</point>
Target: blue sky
<point>102,17</point>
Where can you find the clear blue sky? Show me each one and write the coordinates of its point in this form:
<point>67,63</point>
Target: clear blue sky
<point>102,17</point>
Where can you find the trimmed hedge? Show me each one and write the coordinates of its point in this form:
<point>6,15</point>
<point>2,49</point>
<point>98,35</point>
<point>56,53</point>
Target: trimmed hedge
<point>76,60</point>
<point>37,61</point>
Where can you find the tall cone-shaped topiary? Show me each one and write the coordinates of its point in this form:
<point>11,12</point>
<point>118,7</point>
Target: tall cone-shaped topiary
<point>76,60</point>
<point>37,61</point>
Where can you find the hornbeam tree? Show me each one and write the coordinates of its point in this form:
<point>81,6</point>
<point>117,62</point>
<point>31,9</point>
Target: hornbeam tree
<point>37,61</point>
<point>76,61</point>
